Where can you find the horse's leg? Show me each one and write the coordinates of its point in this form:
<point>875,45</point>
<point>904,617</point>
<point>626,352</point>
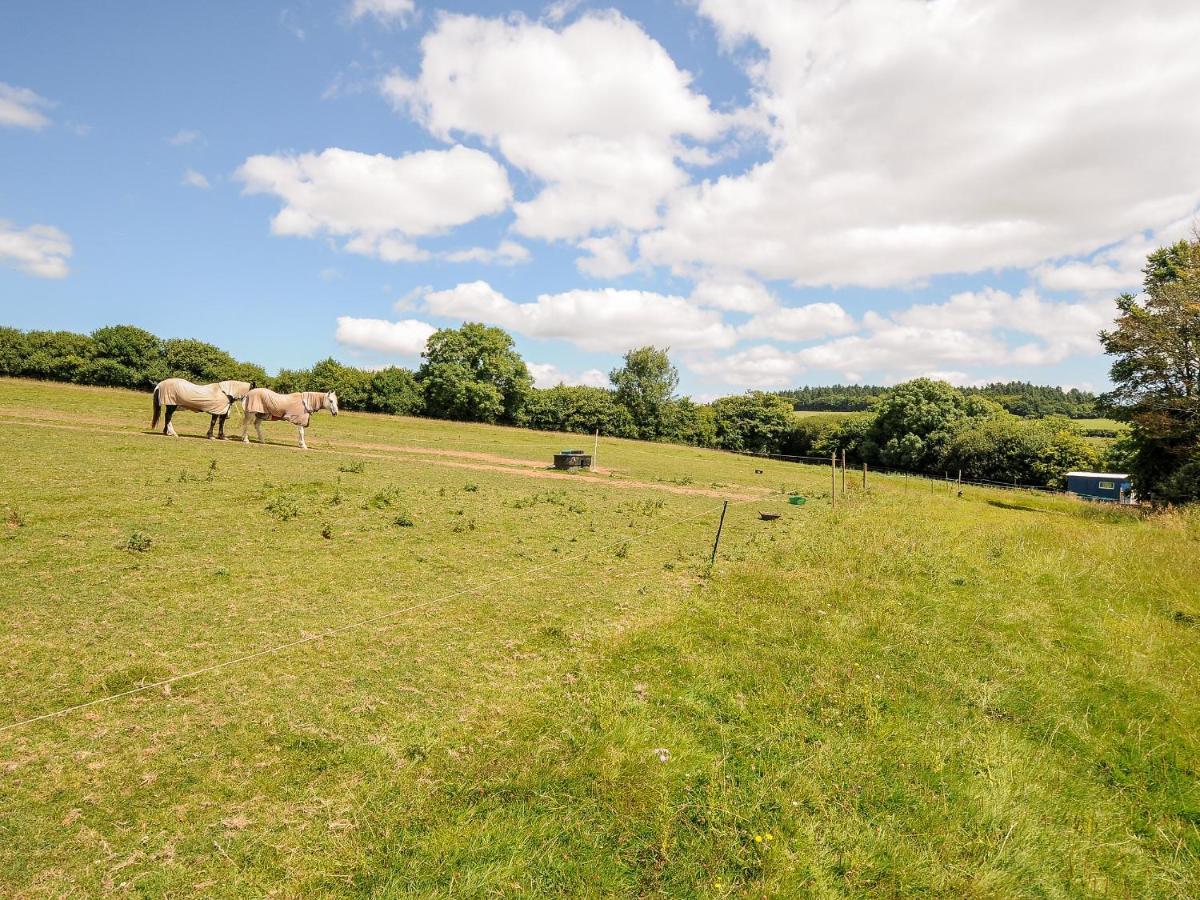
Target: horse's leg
<point>258,427</point>
<point>221,429</point>
<point>303,446</point>
<point>212,421</point>
<point>168,428</point>
<point>246,428</point>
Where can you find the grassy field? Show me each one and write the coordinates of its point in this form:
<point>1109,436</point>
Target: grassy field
<point>551,693</point>
<point>1107,424</point>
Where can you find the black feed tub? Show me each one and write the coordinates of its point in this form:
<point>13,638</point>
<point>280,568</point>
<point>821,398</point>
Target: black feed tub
<point>572,459</point>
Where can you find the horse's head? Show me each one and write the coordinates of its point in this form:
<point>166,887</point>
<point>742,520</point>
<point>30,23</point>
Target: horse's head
<point>331,399</point>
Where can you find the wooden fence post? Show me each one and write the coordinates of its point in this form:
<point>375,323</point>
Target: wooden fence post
<point>833,478</point>
<point>717,542</point>
<point>843,472</point>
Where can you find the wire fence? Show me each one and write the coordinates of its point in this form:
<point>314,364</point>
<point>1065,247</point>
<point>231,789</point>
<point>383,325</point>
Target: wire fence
<point>379,618</point>
<point>912,473</point>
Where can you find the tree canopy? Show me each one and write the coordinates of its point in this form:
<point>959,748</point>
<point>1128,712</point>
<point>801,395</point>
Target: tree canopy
<point>473,374</point>
<point>1156,374</point>
<point>645,385</point>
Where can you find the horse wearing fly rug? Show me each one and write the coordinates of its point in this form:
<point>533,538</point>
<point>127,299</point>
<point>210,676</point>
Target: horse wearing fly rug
<point>214,399</point>
<point>298,408</point>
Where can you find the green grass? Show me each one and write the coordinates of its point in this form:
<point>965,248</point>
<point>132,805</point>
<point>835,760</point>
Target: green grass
<point>911,693</point>
<point>1108,424</point>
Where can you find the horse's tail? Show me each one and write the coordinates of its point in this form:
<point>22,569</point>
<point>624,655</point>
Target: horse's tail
<point>157,409</point>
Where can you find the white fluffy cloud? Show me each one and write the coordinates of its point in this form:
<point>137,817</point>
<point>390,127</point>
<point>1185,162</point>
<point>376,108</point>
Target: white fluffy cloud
<point>986,328</point>
<point>910,139</point>
<point>971,329</point>
<point>40,250</point>
<point>506,253</point>
<point>184,137</point>
<point>1115,268</point>
<point>800,323</point>
<point>547,375</point>
<point>606,319</point>
<point>404,338</point>
<point>192,178</point>
<point>608,256</point>
<point>378,202</point>
<point>385,11</point>
<point>762,366</point>
<point>735,291</point>
<point>594,111</point>
<point>22,108</point>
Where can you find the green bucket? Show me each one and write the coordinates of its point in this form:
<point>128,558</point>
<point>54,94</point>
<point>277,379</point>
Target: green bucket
<point>796,500</point>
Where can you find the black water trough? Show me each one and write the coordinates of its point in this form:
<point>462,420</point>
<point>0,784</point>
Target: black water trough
<point>572,459</point>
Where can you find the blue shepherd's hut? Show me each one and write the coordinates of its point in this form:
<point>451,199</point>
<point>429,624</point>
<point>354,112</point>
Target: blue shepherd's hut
<point>1101,486</point>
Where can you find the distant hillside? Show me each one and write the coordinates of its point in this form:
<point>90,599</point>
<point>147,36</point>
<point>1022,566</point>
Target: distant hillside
<point>1018,397</point>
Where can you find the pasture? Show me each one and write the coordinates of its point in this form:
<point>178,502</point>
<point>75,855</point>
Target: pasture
<point>546,690</point>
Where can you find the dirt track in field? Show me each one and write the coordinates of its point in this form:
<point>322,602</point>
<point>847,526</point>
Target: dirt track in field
<point>456,459</point>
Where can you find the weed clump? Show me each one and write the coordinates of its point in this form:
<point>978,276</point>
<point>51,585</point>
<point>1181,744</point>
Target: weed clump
<point>327,531</point>
<point>383,499</point>
<point>403,521</point>
<point>284,507</point>
<point>138,542</point>
<point>471,487</point>
<point>15,519</point>
<point>353,468</point>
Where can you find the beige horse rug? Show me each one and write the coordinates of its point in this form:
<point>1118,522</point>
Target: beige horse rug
<point>295,408</point>
<point>215,399</point>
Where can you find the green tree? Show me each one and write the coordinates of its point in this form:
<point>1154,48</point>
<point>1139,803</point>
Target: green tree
<point>394,390</point>
<point>645,385</point>
<point>685,422</point>
<point>913,424</point>
<point>1156,374</point>
<point>473,374</point>
<point>136,350</point>
<point>1007,448</point>
<point>756,422</point>
<point>197,361</point>
<point>578,409</point>
<point>58,355</point>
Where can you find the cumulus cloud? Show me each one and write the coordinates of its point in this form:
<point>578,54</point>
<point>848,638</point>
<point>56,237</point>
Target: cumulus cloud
<point>404,338</point>
<point>192,178</point>
<point>387,12</point>
<point>1114,268</point>
<point>40,250</point>
<point>378,202</point>
<point>911,139</point>
<point>22,108</point>
<point>800,323</point>
<point>975,328</point>
<point>761,366</point>
<point>548,375</point>
<point>734,291</point>
<point>506,253</point>
<point>594,111</point>
<point>609,256</point>
<point>183,137</point>
<point>606,319</point>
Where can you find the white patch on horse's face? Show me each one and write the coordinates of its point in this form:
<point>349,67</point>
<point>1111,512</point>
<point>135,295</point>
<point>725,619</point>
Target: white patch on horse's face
<point>332,398</point>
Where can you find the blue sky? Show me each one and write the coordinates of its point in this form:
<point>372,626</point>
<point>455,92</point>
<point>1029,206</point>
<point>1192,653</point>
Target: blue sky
<point>784,193</point>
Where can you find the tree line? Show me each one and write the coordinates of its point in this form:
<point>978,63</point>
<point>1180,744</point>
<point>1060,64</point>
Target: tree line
<point>474,373</point>
<point>1021,398</point>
